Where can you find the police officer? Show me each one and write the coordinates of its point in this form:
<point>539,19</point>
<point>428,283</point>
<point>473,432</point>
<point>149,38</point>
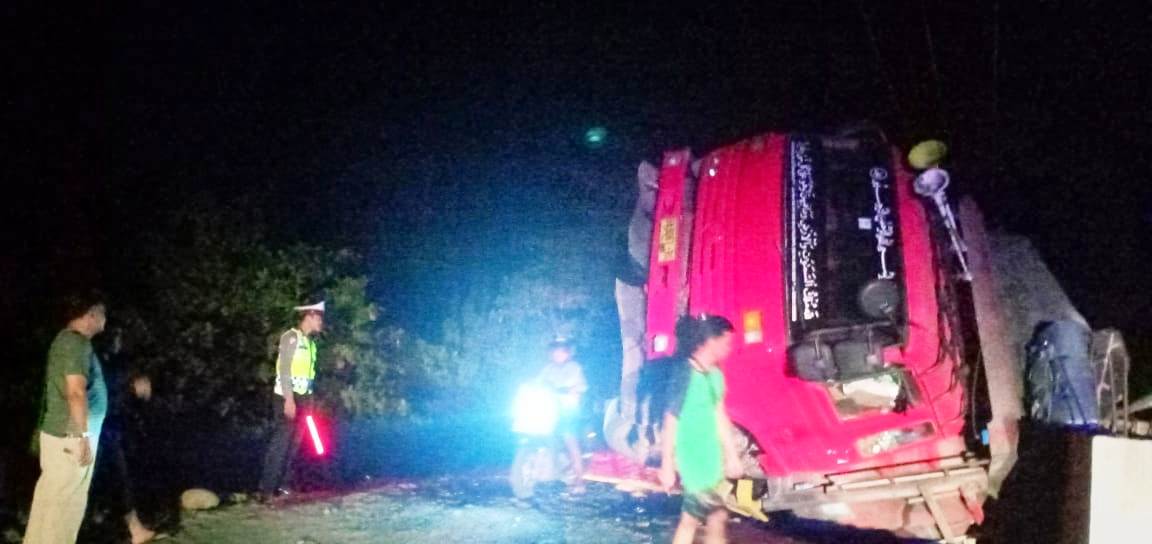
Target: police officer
<point>295,373</point>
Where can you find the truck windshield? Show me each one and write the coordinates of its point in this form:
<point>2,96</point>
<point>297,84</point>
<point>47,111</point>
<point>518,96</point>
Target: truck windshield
<point>841,232</point>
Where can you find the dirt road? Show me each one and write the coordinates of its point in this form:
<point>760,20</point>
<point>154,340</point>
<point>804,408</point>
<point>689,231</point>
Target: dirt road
<point>439,511</point>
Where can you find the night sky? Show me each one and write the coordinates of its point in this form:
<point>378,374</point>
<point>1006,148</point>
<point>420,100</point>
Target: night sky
<point>334,120</point>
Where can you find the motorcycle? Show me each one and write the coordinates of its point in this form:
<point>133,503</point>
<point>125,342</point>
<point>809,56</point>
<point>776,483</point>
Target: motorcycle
<point>540,454</point>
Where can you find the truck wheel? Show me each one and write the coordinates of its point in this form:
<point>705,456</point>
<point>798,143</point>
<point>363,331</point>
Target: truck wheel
<point>1060,376</point>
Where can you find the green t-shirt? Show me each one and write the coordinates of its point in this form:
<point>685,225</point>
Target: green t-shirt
<point>71,353</point>
<point>699,453</point>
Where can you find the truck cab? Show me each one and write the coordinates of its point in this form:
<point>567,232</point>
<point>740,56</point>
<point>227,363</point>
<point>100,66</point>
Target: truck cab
<point>888,351</point>
<point>849,381</point>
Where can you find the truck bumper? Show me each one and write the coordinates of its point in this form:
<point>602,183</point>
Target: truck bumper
<point>915,500</point>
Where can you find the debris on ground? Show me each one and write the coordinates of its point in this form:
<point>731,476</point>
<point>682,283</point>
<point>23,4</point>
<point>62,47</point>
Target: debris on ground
<point>199,499</point>
<point>476,509</point>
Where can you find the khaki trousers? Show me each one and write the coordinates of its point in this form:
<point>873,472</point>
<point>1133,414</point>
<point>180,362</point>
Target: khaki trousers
<point>61,492</point>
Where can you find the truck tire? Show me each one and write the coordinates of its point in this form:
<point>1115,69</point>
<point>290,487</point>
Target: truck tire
<point>1061,381</point>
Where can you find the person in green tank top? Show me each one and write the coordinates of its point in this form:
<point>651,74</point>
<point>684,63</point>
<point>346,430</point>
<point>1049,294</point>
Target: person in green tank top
<point>697,434</point>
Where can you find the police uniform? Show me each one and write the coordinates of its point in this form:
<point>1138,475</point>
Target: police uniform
<point>301,370</point>
<point>296,368</point>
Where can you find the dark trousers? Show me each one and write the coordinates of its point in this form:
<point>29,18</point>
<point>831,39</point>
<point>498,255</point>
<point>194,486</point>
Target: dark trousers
<point>285,444</point>
<point>111,477</point>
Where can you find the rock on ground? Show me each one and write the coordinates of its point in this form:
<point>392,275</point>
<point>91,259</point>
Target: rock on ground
<point>199,499</point>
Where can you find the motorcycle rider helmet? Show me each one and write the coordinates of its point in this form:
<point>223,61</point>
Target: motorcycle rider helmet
<point>560,341</point>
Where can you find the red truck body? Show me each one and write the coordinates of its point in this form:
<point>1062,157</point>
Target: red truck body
<point>737,266</point>
<point>851,415</point>
<point>877,377</point>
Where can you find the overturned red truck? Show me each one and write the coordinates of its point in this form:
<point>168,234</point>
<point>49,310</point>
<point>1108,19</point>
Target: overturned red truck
<point>876,380</point>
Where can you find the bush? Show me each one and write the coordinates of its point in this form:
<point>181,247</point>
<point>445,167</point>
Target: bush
<point>215,297</point>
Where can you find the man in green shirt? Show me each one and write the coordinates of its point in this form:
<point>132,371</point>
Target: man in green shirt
<point>75,401</point>
<point>697,435</point>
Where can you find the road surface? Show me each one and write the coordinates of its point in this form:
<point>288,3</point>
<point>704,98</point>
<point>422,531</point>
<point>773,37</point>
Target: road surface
<point>473,509</point>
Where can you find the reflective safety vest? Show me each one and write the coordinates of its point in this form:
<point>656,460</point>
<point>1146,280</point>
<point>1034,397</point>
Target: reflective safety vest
<point>303,365</point>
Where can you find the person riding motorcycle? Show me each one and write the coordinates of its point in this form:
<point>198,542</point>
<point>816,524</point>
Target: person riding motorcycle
<point>565,377</point>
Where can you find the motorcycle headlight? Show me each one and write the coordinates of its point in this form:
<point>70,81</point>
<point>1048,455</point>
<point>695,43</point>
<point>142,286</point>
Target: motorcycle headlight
<point>534,412</point>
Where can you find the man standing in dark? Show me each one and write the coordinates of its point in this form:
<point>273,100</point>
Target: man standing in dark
<point>127,391</point>
<point>295,374</point>
<point>75,401</point>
